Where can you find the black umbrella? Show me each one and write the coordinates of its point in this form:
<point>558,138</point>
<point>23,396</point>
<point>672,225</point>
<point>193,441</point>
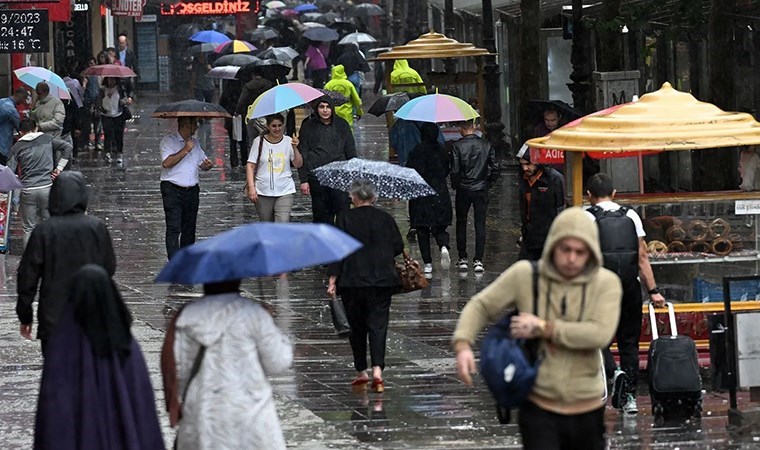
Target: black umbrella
<point>190,108</point>
<point>391,102</point>
<point>336,97</point>
<point>200,48</point>
<point>535,111</point>
<point>235,59</point>
<point>263,34</point>
<point>311,17</point>
<point>328,18</point>
<point>285,54</point>
<point>322,34</point>
<point>271,69</point>
<point>344,27</point>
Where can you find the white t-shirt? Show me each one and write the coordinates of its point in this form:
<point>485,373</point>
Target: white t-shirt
<point>273,177</point>
<point>612,206</point>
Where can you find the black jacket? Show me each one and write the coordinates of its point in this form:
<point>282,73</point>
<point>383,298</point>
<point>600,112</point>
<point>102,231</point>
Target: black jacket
<point>372,265</point>
<point>473,164</point>
<point>540,203</point>
<point>429,159</point>
<point>251,90</point>
<point>57,249</point>
<point>321,143</point>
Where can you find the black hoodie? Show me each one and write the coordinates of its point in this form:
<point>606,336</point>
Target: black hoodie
<point>321,143</point>
<point>57,249</point>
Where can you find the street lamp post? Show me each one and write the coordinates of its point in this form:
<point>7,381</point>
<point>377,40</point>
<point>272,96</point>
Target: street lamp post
<point>449,64</point>
<point>494,128</point>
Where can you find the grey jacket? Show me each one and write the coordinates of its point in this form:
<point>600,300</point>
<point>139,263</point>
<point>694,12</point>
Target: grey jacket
<point>49,113</point>
<point>35,153</point>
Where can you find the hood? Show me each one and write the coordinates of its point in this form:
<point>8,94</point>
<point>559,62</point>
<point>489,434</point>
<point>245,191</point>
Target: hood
<point>48,98</point>
<point>573,222</point>
<point>322,99</point>
<point>68,194</point>
<point>339,72</point>
<point>31,136</point>
<point>401,64</point>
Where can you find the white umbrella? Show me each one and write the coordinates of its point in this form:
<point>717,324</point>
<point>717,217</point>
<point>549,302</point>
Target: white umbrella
<point>275,4</point>
<point>223,72</point>
<point>308,25</point>
<point>390,180</point>
<point>357,38</point>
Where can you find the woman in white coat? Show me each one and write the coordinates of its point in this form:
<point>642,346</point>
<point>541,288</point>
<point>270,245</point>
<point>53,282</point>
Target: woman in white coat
<point>225,347</point>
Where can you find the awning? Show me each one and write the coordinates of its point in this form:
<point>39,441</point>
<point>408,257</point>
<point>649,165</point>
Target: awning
<point>432,45</point>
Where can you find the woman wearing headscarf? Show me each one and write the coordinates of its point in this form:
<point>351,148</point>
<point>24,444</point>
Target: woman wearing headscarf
<point>95,391</point>
<point>432,214</point>
<point>367,279</point>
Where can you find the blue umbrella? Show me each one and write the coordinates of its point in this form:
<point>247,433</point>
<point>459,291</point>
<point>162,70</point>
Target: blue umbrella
<point>306,7</point>
<point>257,250</point>
<point>210,36</point>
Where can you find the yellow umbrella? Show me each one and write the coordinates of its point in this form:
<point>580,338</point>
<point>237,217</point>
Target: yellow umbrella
<point>663,120</point>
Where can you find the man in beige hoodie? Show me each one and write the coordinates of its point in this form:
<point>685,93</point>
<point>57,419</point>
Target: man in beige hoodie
<point>578,312</point>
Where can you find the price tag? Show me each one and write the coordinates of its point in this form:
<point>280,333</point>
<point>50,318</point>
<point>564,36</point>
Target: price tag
<point>747,207</point>
<point>24,31</point>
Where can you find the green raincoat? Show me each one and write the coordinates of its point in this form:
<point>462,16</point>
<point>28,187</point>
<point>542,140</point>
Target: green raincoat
<point>340,84</point>
<point>403,74</point>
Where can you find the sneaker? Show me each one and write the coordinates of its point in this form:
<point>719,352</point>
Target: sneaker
<point>618,388</point>
<point>119,160</point>
<point>445,258</point>
<point>428,268</point>
<point>99,146</point>
<point>107,157</point>
<point>477,266</point>
<point>630,406</point>
<point>462,264</point>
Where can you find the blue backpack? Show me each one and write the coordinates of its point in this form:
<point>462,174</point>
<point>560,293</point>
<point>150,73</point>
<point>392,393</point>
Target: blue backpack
<point>509,366</point>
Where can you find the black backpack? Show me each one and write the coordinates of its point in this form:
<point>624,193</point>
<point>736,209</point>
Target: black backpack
<point>619,242</point>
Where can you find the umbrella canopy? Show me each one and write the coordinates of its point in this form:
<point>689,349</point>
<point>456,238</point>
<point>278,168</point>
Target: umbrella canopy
<point>190,108</point>
<point>280,98</point>
<point>391,102</point>
<point>311,17</point>
<point>239,59</point>
<point>109,70</point>
<point>200,48</point>
<point>289,13</point>
<point>210,36</point>
<point>536,108</point>
<point>32,76</point>
<point>336,97</point>
<point>271,69</point>
<point>437,108</point>
<point>285,54</point>
<point>366,9</point>
<point>328,18</point>
<point>257,250</point>
<point>235,46</point>
<point>264,34</point>
<point>306,7</point>
<point>275,4</point>
<point>223,72</point>
<point>310,25</point>
<point>391,181</point>
<point>322,34</point>
<point>8,180</point>
<point>357,38</point>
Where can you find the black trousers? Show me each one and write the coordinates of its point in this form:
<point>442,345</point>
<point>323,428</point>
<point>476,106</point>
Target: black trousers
<point>545,430</point>
<point>367,310</point>
<point>326,202</point>
<point>423,240</point>
<point>531,254</point>
<point>113,131</point>
<point>181,212</point>
<point>242,146</point>
<point>319,78</point>
<point>478,200</point>
<point>627,336</point>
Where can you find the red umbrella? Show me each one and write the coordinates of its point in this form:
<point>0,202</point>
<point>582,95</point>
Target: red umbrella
<point>109,70</point>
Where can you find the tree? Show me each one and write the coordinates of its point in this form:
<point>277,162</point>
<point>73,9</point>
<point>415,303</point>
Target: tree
<point>608,28</point>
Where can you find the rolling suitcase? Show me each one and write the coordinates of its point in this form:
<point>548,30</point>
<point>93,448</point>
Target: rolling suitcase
<point>675,386</point>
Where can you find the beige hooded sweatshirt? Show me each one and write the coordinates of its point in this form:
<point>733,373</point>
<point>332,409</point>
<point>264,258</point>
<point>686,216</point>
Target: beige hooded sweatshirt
<point>570,378</point>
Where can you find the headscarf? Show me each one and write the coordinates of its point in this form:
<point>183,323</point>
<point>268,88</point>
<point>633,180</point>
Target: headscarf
<point>100,311</point>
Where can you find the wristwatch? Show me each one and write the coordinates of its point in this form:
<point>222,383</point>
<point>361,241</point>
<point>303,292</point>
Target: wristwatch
<point>654,290</point>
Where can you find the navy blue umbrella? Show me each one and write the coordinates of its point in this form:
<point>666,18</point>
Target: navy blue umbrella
<point>306,7</point>
<point>257,250</point>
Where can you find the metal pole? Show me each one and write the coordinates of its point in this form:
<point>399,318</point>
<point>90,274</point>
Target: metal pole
<point>734,416</point>
<point>384,23</point>
<point>494,128</point>
<point>398,39</point>
<point>109,28</point>
<point>449,64</point>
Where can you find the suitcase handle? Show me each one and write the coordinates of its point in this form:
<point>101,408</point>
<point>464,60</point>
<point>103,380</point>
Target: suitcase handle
<point>653,322</point>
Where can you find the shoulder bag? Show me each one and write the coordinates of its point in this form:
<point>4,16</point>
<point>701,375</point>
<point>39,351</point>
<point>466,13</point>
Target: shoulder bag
<point>247,188</point>
<point>410,274</point>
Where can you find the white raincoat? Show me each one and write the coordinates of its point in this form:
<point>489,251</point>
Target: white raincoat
<point>229,402</point>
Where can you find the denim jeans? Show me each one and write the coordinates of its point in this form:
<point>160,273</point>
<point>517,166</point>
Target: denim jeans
<point>181,213</point>
<point>478,200</point>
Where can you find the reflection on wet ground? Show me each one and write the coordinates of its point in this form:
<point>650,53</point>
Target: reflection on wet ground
<point>424,405</point>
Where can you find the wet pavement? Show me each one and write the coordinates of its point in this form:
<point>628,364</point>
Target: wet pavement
<point>424,405</point>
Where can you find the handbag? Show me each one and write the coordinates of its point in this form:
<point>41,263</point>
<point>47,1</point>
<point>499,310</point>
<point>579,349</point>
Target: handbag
<point>126,113</point>
<point>410,274</point>
<point>339,318</point>
<point>247,187</point>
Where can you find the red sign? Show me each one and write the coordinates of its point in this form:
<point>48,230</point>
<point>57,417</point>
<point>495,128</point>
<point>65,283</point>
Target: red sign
<point>547,156</point>
<point>130,8</point>
<point>208,8</point>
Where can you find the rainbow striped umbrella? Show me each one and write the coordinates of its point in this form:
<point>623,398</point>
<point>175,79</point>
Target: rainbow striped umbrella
<point>234,46</point>
<point>32,75</point>
<point>437,108</point>
<point>280,98</point>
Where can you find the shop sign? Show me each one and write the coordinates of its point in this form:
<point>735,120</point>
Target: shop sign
<point>547,156</point>
<point>747,207</point>
<point>24,31</point>
<point>131,8</point>
<point>208,8</point>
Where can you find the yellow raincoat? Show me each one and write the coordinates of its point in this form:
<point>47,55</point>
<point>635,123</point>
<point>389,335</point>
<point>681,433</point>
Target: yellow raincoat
<point>403,74</point>
<point>340,84</point>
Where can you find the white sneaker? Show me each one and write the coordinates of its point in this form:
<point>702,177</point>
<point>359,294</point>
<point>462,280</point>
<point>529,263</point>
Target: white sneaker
<point>119,160</point>
<point>462,264</point>
<point>630,406</point>
<point>107,157</point>
<point>428,268</point>
<point>445,258</point>
<point>477,266</point>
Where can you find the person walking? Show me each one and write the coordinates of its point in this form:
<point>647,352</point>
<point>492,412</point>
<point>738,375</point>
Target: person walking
<point>231,93</point>
<point>254,86</point>
<point>541,193</point>
<point>112,99</point>
<point>355,65</point>
<point>340,84</point>
<point>48,111</point>
<point>366,280</point>
<point>324,138</point>
<point>316,62</point>
<point>182,158</point>
<point>474,169</point>
<point>57,249</point>
<point>127,58</point>
<point>432,214</point>
<point>203,86</point>
<point>216,357</point>
<point>269,178</point>
<point>406,79</point>
<point>621,234</point>
<point>96,391</point>
<point>34,155</point>
<point>578,310</point>
<point>9,121</point>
